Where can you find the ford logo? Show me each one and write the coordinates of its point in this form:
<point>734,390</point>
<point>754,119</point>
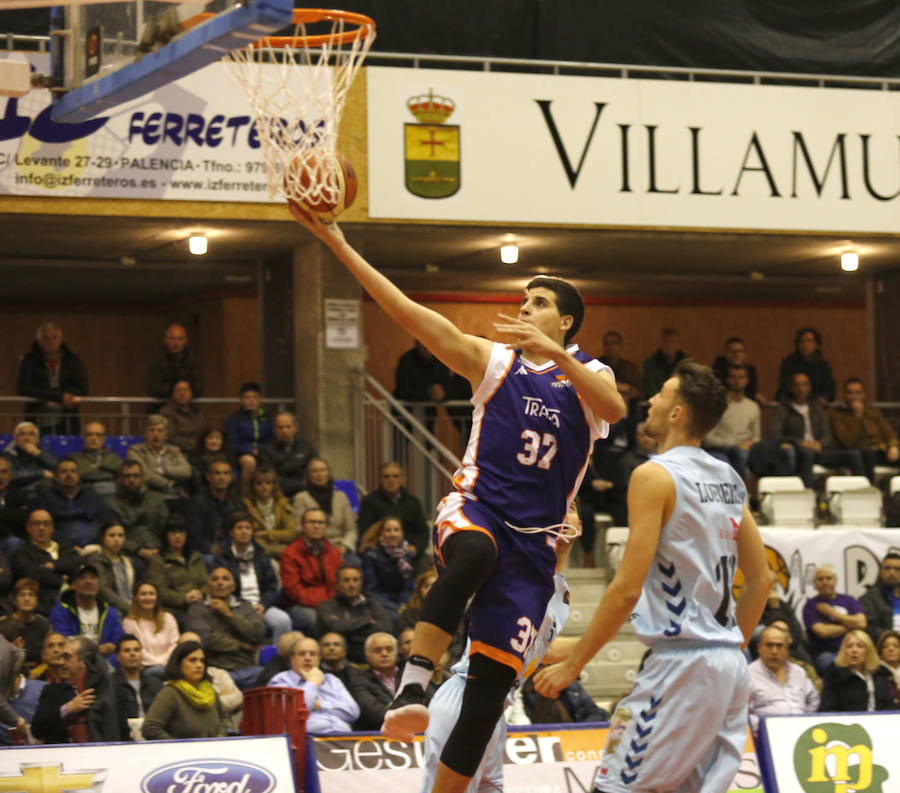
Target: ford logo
<point>209,776</point>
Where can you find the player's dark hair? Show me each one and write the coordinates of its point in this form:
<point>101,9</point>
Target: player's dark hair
<point>704,395</point>
<point>568,300</point>
<point>803,331</point>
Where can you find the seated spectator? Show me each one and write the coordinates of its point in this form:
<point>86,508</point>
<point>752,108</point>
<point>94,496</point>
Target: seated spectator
<point>287,454</point>
<point>331,708</point>
<point>24,693</point>
<point>736,355</point>
<point>211,445</point>
<point>353,613</point>
<point>778,609</point>
<point>387,564</point>
<point>172,362</point>
<point>856,681</point>
<point>858,424</point>
<point>828,617</point>
<point>778,687</point>
<point>739,428</point>
<point>49,668</point>
<point>273,518</point>
<point>230,628</point>
<point>659,367</point>
<point>212,508</point>
<point>135,689</point>
<point>186,421</point>
<point>252,569</point>
<point>807,359</point>
<point>230,696</point>
<point>309,567</point>
<point>249,427</point>
<point>80,611</point>
<point>77,511</point>
<point>24,611</point>
<point>43,559</point>
<point>139,511</point>
<point>333,648</point>
<point>12,657</point>
<point>881,601</point>
<point>55,378</point>
<point>31,465</point>
<point>410,611</point>
<point>626,372</point>
<point>392,499</point>
<point>320,493</point>
<point>644,448</point>
<point>79,706</point>
<point>115,568</point>
<point>602,489</point>
<point>5,582</point>
<point>281,660</point>
<point>573,705</point>
<point>166,471</point>
<point>179,572</point>
<point>154,628</point>
<point>889,654</point>
<point>187,705</point>
<point>13,510</point>
<point>796,656</point>
<point>98,465</point>
<point>404,644</point>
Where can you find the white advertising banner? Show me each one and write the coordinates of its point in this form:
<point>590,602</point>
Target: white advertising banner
<point>222,765</point>
<point>539,148</point>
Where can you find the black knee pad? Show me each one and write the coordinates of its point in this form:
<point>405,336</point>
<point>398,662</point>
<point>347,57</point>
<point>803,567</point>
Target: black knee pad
<point>470,557</point>
<point>487,685</point>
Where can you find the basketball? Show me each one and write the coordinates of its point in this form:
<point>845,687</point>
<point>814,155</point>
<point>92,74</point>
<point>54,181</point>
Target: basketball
<point>322,182</point>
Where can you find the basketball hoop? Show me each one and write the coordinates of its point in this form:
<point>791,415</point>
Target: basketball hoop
<point>297,86</point>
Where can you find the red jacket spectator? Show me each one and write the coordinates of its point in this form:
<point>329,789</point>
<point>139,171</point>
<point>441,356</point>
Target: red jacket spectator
<point>308,578</point>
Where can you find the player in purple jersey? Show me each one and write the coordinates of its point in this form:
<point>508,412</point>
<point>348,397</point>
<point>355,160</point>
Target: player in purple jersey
<point>541,406</point>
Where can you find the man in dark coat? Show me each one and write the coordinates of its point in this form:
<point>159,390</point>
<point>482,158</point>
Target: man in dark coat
<point>393,500</point>
<point>172,362</point>
<point>131,678</point>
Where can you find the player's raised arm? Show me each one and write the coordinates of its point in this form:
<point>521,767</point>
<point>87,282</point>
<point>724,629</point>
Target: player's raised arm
<point>464,354</point>
<point>752,563</point>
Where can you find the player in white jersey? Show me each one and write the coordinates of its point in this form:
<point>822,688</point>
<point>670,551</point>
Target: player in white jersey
<point>683,727</point>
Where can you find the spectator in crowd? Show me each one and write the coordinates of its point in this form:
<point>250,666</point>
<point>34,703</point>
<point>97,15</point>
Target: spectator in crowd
<point>252,569</point>
<point>420,377</point>
<point>331,708</point>
<point>273,518</point>
<point>24,610</point>
<point>173,362</point>
<point>778,609</point>
<point>460,390</point>
<point>799,426</point>
<point>281,659</point>
<point>410,611</point>
<point>12,659</point>
<point>249,428</point>
<point>116,570</point>
<point>889,653</point>
<point>404,644</point>
<point>77,510</point>
<point>309,567</point>
<point>230,696</point>
<point>829,616</point>
<point>80,611</point>
<point>155,629</point>
<point>573,705</point>
<point>333,647</point>
<point>212,508</point>
<point>187,705</point>
<point>50,667</point>
<point>79,706</point>
<point>5,582</point>
<point>602,489</point>
<point>287,454</point>
<point>778,687</point>
<point>797,654</point>
<point>32,466</point>
<point>98,465</point>
<point>392,499</point>
<point>211,445</point>
<point>881,601</point>
<point>186,420</point>
<point>179,571</point>
<point>858,424</point>
<point>644,448</point>
<point>24,693</point>
<point>44,560</point>
<point>166,471</point>
<point>230,628</point>
<point>739,428</point>
<point>736,355</point>
<point>141,512</point>
<point>856,681</point>
<point>135,688</point>
<point>807,359</point>
<point>54,376</point>
<point>13,509</point>
<point>320,493</point>
<point>353,613</point>
<point>387,564</point>
<point>627,372</point>
<point>659,367</point>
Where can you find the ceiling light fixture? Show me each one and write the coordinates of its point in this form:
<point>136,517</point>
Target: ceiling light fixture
<point>850,261</point>
<point>509,254</point>
<point>197,244</point>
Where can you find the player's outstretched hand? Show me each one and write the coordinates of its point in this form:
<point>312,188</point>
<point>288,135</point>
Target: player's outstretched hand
<point>553,679</point>
<point>327,232</point>
<point>528,337</point>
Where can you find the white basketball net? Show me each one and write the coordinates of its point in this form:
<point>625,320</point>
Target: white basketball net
<point>297,92</point>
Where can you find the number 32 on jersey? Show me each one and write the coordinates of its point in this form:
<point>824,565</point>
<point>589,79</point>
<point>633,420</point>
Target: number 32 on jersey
<point>538,449</point>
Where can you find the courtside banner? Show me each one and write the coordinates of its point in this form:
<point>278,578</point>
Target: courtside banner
<point>221,765</point>
<point>830,753</point>
<point>543,148</point>
<point>548,759</point>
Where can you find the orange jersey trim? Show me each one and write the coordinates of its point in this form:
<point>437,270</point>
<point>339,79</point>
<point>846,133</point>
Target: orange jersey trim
<point>495,654</point>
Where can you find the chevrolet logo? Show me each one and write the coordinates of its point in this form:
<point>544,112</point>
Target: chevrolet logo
<point>41,778</point>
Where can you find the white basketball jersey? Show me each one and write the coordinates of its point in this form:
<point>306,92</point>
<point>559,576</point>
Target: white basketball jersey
<point>686,597</point>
